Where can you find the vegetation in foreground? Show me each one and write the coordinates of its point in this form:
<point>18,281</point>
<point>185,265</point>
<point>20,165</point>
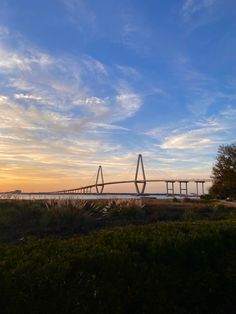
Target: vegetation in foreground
<point>162,268</point>
<point>186,263</point>
<point>20,220</point>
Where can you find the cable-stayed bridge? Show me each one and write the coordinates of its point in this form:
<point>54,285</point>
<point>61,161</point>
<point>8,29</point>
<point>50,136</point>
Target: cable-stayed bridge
<point>139,182</point>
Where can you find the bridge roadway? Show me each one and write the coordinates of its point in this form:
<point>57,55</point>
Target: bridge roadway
<point>183,190</point>
<point>89,189</point>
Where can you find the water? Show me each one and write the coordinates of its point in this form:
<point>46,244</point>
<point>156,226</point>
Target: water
<point>105,196</point>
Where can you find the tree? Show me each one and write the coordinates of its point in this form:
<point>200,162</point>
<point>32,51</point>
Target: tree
<point>224,172</point>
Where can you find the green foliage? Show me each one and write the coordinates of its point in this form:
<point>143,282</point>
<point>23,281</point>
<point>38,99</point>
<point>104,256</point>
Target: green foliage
<point>224,172</point>
<point>64,218</point>
<point>207,197</point>
<point>164,268</point>
<point>19,219</point>
<point>125,211</point>
<point>189,215</point>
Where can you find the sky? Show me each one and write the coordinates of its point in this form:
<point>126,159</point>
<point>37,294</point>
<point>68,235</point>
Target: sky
<point>85,83</point>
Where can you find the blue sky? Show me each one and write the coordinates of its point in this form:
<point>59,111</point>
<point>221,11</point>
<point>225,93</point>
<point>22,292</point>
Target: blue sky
<point>84,83</point>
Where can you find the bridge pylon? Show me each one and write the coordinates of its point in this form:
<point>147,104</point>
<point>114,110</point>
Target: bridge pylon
<point>99,181</point>
<point>140,181</point>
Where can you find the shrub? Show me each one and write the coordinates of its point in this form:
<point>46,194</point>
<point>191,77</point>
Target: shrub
<point>207,197</point>
<point>176,200</point>
<point>165,268</point>
<point>189,215</point>
<point>64,218</point>
<point>125,211</point>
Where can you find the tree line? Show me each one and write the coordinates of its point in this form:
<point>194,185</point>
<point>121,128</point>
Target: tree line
<point>224,173</point>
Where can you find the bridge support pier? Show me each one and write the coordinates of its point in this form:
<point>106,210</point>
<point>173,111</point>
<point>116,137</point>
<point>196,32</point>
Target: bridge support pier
<point>183,190</point>
<point>197,188</point>
<point>170,188</point>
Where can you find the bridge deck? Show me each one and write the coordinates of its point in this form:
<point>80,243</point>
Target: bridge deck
<point>134,182</point>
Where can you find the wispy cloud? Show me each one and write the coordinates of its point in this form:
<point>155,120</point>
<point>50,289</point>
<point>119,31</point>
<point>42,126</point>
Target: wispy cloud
<point>128,105</point>
<point>128,71</point>
<point>190,149</point>
<point>200,135</point>
<point>10,60</point>
<point>202,91</point>
<point>128,29</point>
<point>94,66</point>
<point>194,140</point>
<point>52,113</point>
<point>193,7</point>
<point>80,14</point>
<point>27,96</point>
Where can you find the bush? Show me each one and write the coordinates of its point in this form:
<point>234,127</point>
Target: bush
<point>207,197</point>
<point>189,215</point>
<point>64,218</point>
<point>176,200</point>
<point>165,268</point>
<point>125,211</point>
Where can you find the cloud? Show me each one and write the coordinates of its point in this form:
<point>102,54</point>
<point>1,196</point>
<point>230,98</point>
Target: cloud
<point>229,113</point>
<point>53,116</point>
<point>10,60</point>
<point>27,97</point>
<point>4,31</point>
<point>192,7</point>
<point>95,105</point>
<point>129,30</point>
<point>189,150</point>
<point>128,71</point>
<point>61,82</point>
<point>201,136</point>
<point>129,104</point>
<point>94,66</point>
<point>202,93</point>
<point>107,126</point>
<point>3,99</point>
<point>80,14</point>
<point>114,108</point>
<point>195,140</point>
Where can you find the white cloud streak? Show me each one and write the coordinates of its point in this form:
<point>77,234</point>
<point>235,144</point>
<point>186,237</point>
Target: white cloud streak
<point>193,7</point>
<point>52,115</point>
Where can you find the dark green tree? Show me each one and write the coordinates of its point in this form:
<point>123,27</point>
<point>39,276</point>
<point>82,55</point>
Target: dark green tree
<point>224,172</point>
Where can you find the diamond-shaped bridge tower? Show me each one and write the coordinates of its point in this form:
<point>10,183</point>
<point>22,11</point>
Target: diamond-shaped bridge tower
<point>99,181</point>
<point>140,184</point>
